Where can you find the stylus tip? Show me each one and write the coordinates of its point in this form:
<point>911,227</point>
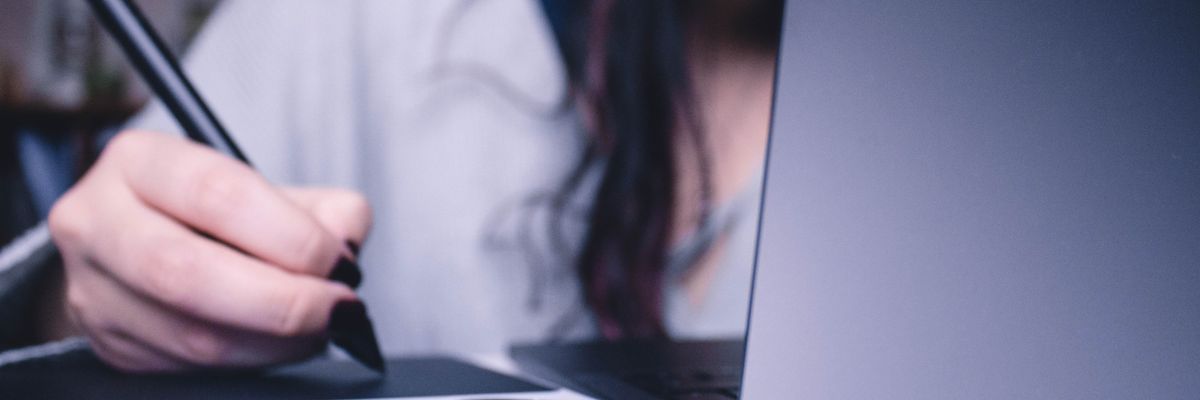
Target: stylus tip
<point>350,328</point>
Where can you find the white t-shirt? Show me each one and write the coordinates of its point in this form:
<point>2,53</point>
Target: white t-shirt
<point>450,116</point>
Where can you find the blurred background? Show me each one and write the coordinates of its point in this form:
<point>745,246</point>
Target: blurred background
<point>64,90</point>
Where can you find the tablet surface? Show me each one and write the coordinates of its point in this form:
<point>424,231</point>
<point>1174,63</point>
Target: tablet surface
<point>79,374</point>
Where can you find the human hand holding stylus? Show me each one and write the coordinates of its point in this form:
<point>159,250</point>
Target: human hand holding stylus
<point>206,264</point>
<point>178,257</point>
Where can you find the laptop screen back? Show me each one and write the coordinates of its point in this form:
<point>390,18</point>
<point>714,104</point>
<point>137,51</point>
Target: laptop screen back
<point>981,200</point>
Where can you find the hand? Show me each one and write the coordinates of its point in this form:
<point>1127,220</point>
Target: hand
<point>177,258</point>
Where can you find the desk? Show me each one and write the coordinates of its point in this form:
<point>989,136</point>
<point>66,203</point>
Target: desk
<point>504,364</point>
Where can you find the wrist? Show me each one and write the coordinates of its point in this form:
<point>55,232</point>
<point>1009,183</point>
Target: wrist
<point>51,313</point>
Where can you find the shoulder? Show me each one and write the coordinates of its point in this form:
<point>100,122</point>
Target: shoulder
<point>282,48</point>
<point>313,76</point>
<point>275,50</point>
<point>510,40</point>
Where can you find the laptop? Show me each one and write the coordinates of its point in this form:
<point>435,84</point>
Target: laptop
<point>989,200</point>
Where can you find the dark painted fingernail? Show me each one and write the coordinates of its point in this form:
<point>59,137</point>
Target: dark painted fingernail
<point>346,272</point>
<point>354,247</point>
<point>350,328</point>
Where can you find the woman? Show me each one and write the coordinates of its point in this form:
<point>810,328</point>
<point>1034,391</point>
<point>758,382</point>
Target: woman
<point>554,171</point>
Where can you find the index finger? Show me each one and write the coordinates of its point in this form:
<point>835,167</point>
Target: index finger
<point>225,199</point>
<point>157,258</point>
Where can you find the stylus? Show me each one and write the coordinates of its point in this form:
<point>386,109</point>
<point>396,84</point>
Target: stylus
<point>350,328</point>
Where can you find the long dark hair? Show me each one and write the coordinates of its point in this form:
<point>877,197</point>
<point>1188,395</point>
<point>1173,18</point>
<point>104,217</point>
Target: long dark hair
<point>626,60</point>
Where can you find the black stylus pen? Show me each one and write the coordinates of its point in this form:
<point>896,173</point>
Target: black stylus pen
<point>350,328</point>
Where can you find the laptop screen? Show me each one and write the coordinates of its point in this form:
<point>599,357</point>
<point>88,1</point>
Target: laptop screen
<point>981,200</point>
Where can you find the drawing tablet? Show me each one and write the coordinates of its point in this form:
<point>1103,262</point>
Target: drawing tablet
<point>80,375</point>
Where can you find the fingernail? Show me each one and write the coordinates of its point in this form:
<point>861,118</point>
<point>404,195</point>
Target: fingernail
<point>354,247</point>
<point>350,328</point>
<point>346,272</point>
